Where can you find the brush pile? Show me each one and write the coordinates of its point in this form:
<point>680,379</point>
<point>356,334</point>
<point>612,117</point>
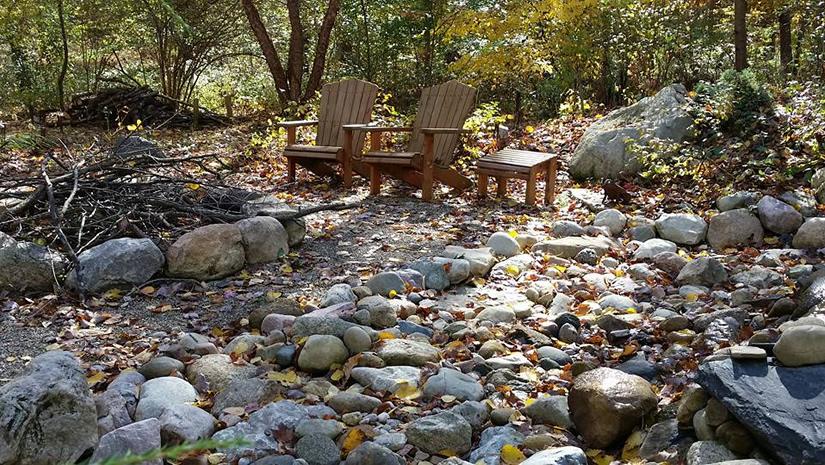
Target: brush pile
<point>127,105</point>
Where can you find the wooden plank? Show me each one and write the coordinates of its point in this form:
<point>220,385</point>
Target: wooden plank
<point>483,180</point>
<point>550,186</point>
<point>427,168</point>
<point>506,174</point>
<point>452,178</point>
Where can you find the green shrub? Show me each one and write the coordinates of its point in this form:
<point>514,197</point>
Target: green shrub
<point>738,100</point>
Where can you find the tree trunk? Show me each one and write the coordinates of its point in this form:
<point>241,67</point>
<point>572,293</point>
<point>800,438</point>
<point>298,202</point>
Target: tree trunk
<point>295,60</point>
<point>785,46</point>
<point>740,34</point>
<point>321,48</point>
<point>61,79</point>
<point>273,62</point>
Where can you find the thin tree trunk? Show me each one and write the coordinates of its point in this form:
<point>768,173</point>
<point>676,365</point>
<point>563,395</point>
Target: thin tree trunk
<point>365,16</point>
<point>273,62</point>
<point>785,46</point>
<point>317,73</point>
<point>740,34</point>
<point>61,79</point>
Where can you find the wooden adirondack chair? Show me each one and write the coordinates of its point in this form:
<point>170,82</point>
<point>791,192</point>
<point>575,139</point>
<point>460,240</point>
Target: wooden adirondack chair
<point>435,132</point>
<point>348,101</point>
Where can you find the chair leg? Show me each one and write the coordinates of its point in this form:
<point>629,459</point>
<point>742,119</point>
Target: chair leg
<point>531,188</point>
<point>501,191</point>
<point>483,181</point>
<point>550,181</point>
<point>375,180</point>
<point>346,172</point>
<point>290,169</point>
<point>427,184</point>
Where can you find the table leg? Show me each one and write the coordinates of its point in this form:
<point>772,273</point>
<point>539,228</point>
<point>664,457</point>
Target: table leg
<point>483,180</point>
<point>550,181</point>
<point>502,186</point>
<point>531,187</point>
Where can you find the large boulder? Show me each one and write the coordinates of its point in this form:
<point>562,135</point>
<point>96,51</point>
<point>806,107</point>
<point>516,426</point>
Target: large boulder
<point>606,405</point>
<point>48,415</point>
<point>264,239</point>
<point>777,216</point>
<point>28,267</point>
<point>801,345</point>
<point>811,235</point>
<point>682,228</point>
<point>123,262</point>
<point>444,433</point>
<point>602,152</point>
<point>781,407</point>
<point>209,252</point>
<point>703,271</point>
<point>734,228</point>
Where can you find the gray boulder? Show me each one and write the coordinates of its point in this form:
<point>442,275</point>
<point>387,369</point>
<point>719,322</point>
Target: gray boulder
<point>733,228</point>
<point>123,262</point>
<point>777,216</point>
<point>264,239</point>
<point>47,415</point>
<point>682,228</point>
<point>257,430</point>
<point>159,393</point>
<point>185,423</point>
<point>811,235</point>
<point>339,294</point>
<point>740,199</point>
<point>602,152</point>
<point>569,247</point>
<point>28,267</point>
<point>320,352</point>
<point>209,252</point>
<point>781,407</point>
<point>453,383</point>
<point>652,247</point>
<point>567,455</point>
<point>444,431</point>
<point>612,219</point>
<point>481,260</point>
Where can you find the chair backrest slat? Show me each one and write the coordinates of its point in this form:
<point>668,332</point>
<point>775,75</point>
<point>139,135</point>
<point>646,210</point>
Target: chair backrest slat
<point>348,101</point>
<point>446,105</point>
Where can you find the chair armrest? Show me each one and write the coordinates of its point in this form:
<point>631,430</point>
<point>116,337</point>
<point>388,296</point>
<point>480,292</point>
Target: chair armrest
<point>445,131</point>
<point>368,128</point>
<point>295,124</point>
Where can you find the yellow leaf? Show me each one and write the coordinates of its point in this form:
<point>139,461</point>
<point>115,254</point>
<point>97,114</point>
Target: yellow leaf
<point>511,455</point>
<point>619,273</point>
<point>529,129</point>
<point>513,233</point>
<point>217,332</point>
<point>692,297</point>
<point>192,186</point>
<point>337,375</point>
<point>113,294</point>
<point>132,127</point>
<point>447,453</point>
<point>352,439</point>
<point>407,391</point>
<point>512,270</point>
<point>95,378</point>
<point>272,295</point>
<point>599,457</point>
<point>286,378</point>
<point>529,401</point>
<point>285,268</point>
<point>630,451</point>
<point>630,310</point>
<point>385,335</point>
<point>392,293</point>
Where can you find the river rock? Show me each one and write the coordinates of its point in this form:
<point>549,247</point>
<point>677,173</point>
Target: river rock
<point>28,267</point>
<point>652,247</point>
<point>777,216</point>
<point>257,430</point>
<point>801,345</point>
<point>567,455</point>
<point>137,438</point>
<point>209,252</point>
<point>444,433</point>
<point>407,352</point>
<point>387,378</point>
<point>708,453</point>
<point>549,410</point>
<point>491,441</point>
<point>612,219</point>
<point>216,371</point>
<point>339,294</point>
<point>185,423</point>
<point>453,383</point>
<point>318,449</point>
<point>320,352</point>
<point>606,404</point>
<point>780,406</point>
<point>159,393</point>
<point>123,262</point>
<point>737,200</point>
<point>702,271</point>
<point>811,235</point>
<point>502,243</point>
<point>48,415</point>
<point>481,260</point>
<point>370,453</point>
<point>734,228</point>
<point>602,151</point>
<point>682,228</point>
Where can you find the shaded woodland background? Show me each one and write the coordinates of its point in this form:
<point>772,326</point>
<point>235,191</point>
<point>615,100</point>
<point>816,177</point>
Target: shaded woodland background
<point>532,59</point>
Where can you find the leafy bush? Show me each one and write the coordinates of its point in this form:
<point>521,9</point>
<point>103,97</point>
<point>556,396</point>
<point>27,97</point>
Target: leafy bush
<point>738,100</point>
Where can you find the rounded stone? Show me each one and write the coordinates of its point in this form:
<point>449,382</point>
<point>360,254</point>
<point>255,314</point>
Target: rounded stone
<point>357,340</point>
<point>318,449</point>
<point>801,345</point>
<point>320,352</point>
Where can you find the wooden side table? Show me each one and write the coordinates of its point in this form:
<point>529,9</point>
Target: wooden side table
<point>519,164</point>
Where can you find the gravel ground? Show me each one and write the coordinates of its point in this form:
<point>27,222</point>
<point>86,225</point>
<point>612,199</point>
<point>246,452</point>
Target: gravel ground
<point>380,233</point>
